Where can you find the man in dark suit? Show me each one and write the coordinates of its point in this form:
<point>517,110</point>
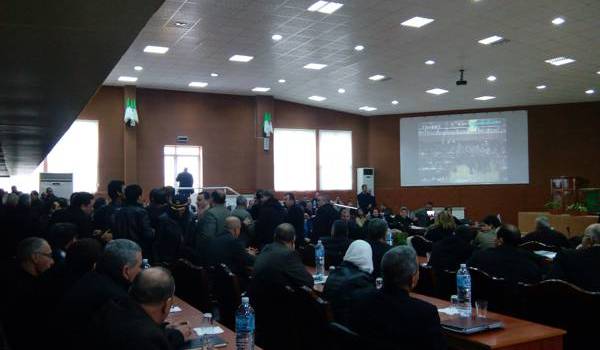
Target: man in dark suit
<point>132,221</point>
<point>295,217</point>
<point>326,215</point>
<point>544,233</point>
<point>228,249</point>
<point>377,228</point>
<point>336,244</point>
<point>452,251</point>
<point>117,268</point>
<point>78,213</point>
<point>177,235</point>
<point>185,179</point>
<point>104,217</point>
<point>271,214</point>
<point>366,201</point>
<point>507,260</point>
<point>579,266</point>
<point>137,322</point>
<point>389,318</point>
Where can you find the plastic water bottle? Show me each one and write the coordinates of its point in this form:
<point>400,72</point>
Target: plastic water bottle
<point>388,238</point>
<point>463,291</point>
<point>145,264</point>
<point>319,261</point>
<point>244,326</point>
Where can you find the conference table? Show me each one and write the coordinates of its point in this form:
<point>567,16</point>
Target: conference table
<point>517,334</point>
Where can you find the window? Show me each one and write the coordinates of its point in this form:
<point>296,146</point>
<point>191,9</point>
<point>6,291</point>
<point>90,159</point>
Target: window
<point>335,160</point>
<point>178,158</point>
<point>294,158</point>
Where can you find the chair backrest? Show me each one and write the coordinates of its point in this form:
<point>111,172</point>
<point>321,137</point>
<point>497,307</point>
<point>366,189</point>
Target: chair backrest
<point>342,338</point>
<point>421,244</point>
<point>532,246</point>
<point>308,254</point>
<point>226,291</point>
<point>313,315</point>
<point>192,284</point>
<point>425,284</point>
<point>493,289</point>
<point>276,316</point>
<point>444,283</point>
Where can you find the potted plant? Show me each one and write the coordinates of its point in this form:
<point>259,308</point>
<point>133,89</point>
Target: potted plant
<point>553,207</point>
<point>577,208</point>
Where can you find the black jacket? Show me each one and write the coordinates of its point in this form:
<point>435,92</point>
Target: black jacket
<point>437,233</point>
<point>124,325</point>
<point>449,253</point>
<point>326,216</point>
<point>271,214</point>
<point>342,283</point>
<point>511,263</point>
<point>364,200</point>
<point>154,212</point>
<point>295,217</point>
<point>379,249</point>
<point>75,216</point>
<point>394,320</point>
<point>225,249</point>
<point>578,267</point>
<point>335,249</point>
<point>132,222</point>
<point>175,237</point>
<point>547,236</point>
<point>104,218</point>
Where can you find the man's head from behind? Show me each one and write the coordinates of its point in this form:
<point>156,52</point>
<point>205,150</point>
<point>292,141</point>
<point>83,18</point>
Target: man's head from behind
<point>121,260</point>
<point>399,268</point>
<point>83,255</point>
<point>591,236</point>
<point>241,202</point>
<point>542,223</point>
<point>490,222</point>
<point>233,225</point>
<point>62,235</point>
<point>153,289</point>
<point>285,234</point>
<point>83,201</point>
<point>508,235</point>
<point>339,229</point>
<point>34,255</point>
<point>115,190</point>
<point>377,228</point>
<point>217,198</point>
<point>133,193</point>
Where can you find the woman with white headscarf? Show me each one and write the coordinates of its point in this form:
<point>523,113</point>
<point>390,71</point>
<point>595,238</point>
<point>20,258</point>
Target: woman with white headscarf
<point>352,275</point>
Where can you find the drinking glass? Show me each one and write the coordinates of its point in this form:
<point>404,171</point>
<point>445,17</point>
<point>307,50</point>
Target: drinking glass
<point>481,308</point>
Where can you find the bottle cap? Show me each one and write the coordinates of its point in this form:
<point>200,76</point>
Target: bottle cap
<point>245,300</point>
<point>463,265</point>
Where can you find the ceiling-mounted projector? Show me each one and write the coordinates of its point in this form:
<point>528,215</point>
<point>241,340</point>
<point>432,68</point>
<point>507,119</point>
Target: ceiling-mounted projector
<point>461,81</point>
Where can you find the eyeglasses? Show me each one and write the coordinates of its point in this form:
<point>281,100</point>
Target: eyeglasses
<point>47,255</point>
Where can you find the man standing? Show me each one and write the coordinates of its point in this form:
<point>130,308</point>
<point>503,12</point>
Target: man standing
<point>366,201</point>
<point>104,217</point>
<point>295,217</point>
<point>326,215</point>
<point>78,213</point>
<point>271,214</point>
<point>214,218</point>
<point>132,221</point>
<point>185,179</point>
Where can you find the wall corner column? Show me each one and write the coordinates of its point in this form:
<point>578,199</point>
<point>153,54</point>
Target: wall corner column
<point>129,143</point>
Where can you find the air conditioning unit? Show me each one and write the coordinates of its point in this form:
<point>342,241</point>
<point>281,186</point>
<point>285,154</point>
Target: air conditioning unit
<point>365,176</point>
<point>61,184</point>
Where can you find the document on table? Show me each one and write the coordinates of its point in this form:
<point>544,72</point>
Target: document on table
<point>546,254</point>
<point>175,308</point>
<point>208,330</point>
<point>450,310</point>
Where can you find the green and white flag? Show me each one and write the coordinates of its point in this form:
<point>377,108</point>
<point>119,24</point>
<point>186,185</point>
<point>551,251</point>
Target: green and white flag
<point>267,125</point>
<point>131,115</point>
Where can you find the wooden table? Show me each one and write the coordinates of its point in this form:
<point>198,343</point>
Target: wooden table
<point>194,317</point>
<point>570,225</point>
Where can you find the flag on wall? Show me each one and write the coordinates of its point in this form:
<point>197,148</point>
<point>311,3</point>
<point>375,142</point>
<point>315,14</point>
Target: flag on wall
<point>267,125</point>
<point>131,115</point>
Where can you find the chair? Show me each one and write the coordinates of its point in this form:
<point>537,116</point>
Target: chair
<point>532,246</point>
<point>226,291</point>
<point>342,338</point>
<point>561,304</point>
<point>313,315</point>
<point>307,253</point>
<point>493,289</point>
<point>192,284</point>
<point>444,283</point>
<point>275,317</point>
<point>425,284</point>
<point>421,244</point>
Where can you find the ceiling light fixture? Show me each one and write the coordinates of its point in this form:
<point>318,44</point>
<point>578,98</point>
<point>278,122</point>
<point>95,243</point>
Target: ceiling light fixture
<point>261,89</point>
<point>214,75</point>
<point>540,87</point>
<point>341,91</point>
<point>359,47</point>
<point>395,102</point>
<point>127,79</point>
<point>590,91</point>
<point>558,21</point>
<point>156,49</point>
<point>491,78</point>
<point>180,24</point>
<point>315,66</point>
<point>281,81</point>
<point>429,62</point>
<point>317,98</point>
<point>490,40</point>
<point>417,22</point>
<point>198,84</point>
<point>436,91</point>
<point>367,108</point>
<point>559,61</point>
<point>485,98</point>
<point>241,58</point>
<point>138,68</point>
<point>327,7</point>
<point>276,37</point>
<point>377,77</point>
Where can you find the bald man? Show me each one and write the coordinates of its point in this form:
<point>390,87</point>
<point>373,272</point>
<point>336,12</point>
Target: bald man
<point>226,248</point>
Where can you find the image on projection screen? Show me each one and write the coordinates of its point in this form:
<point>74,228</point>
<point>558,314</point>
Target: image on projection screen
<point>467,149</point>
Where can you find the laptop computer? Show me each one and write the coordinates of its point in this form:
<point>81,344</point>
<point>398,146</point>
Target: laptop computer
<point>468,325</point>
<point>196,344</point>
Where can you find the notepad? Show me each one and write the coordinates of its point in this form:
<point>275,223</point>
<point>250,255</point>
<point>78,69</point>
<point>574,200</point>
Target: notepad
<point>175,308</point>
<point>208,330</point>
<point>449,311</point>
<point>546,254</point>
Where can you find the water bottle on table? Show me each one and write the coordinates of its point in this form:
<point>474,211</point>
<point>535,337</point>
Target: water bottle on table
<point>145,264</point>
<point>388,238</point>
<point>319,262</point>
<point>244,326</point>
<point>463,291</point>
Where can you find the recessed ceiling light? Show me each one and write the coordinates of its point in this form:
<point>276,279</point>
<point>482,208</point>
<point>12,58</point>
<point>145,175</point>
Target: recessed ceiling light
<point>315,66</point>
<point>261,89</point>
<point>367,108</point>
<point>559,61</point>
<point>540,87</point>
<point>138,68</point>
<point>490,40</point>
<point>436,91</point>
<point>241,58</point>
<point>417,22</point>
<point>128,79</point>
<point>395,102</point>
<point>276,37</point>
<point>598,72</point>
<point>327,7</point>
<point>558,21</point>
<point>485,98</point>
<point>491,78</point>
<point>317,98</point>
<point>341,91</point>
<point>377,77</point>
<point>180,24</point>
<point>359,47</point>
<point>281,81</point>
<point>214,75</point>
<point>430,62</point>
<point>156,49</point>
<point>590,91</point>
<point>199,84</point>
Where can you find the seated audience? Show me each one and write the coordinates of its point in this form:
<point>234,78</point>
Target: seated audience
<point>213,222</point>
<point>61,237</point>
<point>423,219</point>
<point>404,221</point>
<point>137,322</point>
<point>580,266</point>
<point>377,229</point>
<point>132,221</point>
<point>352,275</point>
<point>507,260</point>
<point>544,233</point>
<point>442,227</point>
<point>81,258</point>
<point>270,215</point>
<point>352,227</point>
<point>104,217</point>
<point>228,249</point>
<point>452,251</point>
<point>486,238</point>
<point>326,215</point>
<point>390,318</point>
<point>336,244</point>
<point>78,213</point>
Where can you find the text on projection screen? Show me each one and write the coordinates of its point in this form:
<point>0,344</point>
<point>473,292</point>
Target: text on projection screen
<point>464,149</point>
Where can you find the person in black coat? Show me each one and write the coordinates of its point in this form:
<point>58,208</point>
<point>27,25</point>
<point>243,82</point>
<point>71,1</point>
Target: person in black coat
<point>78,213</point>
<point>507,260</point>
<point>452,251</point>
<point>157,206</point>
<point>443,227</point>
<point>544,233</point>
<point>336,244</point>
<point>578,266</point>
<point>137,321</point>
<point>353,275</point>
<point>185,179</point>
<point>132,221</point>
<point>271,215</point>
<point>366,201</point>
<point>377,228</point>
<point>61,237</point>
<point>326,215</point>
<point>177,235</point>
<point>226,248</point>
<point>295,217</point>
<point>404,220</point>
<point>390,318</point>
<point>104,217</point>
